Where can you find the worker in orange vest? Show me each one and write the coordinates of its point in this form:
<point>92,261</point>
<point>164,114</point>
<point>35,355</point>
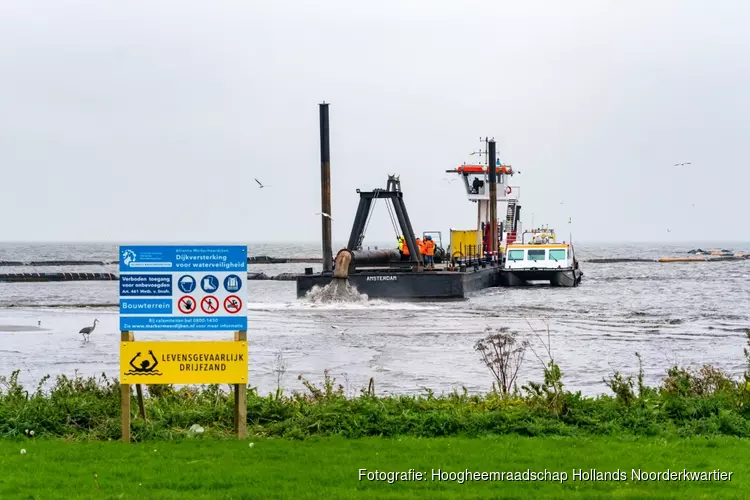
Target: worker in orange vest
<point>420,246</point>
<point>405,249</point>
<point>429,252</point>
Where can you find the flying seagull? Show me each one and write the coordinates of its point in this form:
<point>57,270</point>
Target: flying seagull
<point>261,184</point>
<point>681,164</point>
<point>449,180</point>
<point>340,330</point>
<point>325,215</point>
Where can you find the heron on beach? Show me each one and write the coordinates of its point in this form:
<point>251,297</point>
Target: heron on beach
<point>86,331</point>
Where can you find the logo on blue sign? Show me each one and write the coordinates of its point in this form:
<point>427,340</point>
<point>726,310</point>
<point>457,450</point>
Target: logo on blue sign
<point>128,256</point>
<point>209,283</point>
<point>232,283</point>
<point>186,283</point>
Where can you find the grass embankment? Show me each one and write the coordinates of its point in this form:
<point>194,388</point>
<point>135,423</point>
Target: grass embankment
<point>692,421</point>
<point>688,403</point>
<point>330,468</point>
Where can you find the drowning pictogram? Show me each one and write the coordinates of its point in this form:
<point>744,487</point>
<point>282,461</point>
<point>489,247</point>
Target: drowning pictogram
<point>209,304</point>
<point>186,304</point>
<point>145,368</point>
<point>233,304</point>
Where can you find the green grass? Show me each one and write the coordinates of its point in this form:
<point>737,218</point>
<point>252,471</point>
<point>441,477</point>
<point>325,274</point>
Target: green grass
<point>329,467</point>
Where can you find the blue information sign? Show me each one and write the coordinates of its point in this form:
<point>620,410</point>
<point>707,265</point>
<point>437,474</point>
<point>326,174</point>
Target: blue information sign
<point>178,288</point>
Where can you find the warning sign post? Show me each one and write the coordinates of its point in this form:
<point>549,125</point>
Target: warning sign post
<point>177,288</point>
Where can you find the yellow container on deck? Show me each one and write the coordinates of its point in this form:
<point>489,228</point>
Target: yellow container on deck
<point>465,243</point>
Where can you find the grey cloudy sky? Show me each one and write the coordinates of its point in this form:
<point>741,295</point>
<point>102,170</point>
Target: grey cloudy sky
<point>143,120</point>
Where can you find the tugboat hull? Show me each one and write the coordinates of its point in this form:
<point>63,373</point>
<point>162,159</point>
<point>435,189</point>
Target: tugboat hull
<point>564,278</point>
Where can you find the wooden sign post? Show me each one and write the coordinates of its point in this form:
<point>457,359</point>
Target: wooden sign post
<point>240,398</point>
<point>125,395</point>
<point>212,362</point>
<point>183,288</point>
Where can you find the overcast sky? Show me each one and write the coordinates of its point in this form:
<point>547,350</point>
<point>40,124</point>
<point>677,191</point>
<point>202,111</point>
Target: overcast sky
<point>148,120</point>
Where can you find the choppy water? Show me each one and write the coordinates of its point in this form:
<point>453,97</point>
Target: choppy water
<point>691,313</point>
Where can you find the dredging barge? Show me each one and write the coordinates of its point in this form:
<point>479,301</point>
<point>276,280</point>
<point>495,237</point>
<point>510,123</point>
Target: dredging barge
<point>387,273</point>
<point>397,274</point>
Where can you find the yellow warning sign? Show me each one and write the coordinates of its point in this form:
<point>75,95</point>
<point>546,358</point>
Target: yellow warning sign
<point>183,362</point>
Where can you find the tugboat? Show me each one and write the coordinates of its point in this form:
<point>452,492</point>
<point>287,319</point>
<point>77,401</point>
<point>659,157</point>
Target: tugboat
<point>541,258</point>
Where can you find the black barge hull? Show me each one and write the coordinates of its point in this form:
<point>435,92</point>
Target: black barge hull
<point>404,285</point>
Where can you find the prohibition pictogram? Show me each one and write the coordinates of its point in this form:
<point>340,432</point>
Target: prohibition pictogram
<point>209,304</point>
<point>186,304</point>
<point>233,304</point>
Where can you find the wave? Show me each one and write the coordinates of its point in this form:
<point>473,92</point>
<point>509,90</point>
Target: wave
<point>332,306</point>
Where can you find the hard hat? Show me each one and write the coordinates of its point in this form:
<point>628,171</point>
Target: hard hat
<point>429,237</point>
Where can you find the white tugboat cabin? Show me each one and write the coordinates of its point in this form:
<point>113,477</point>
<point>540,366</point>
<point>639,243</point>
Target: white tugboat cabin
<point>542,258</point>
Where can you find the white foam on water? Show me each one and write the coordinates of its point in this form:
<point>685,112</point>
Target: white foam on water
<point>338,295</point>
<point>378,305</point>
<point>338,291</point>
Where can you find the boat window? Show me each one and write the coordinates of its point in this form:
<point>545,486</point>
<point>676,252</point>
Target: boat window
<point>558,254</point>
<point>476,184</point>
<point>515,255</point>
<point>537,254</point>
